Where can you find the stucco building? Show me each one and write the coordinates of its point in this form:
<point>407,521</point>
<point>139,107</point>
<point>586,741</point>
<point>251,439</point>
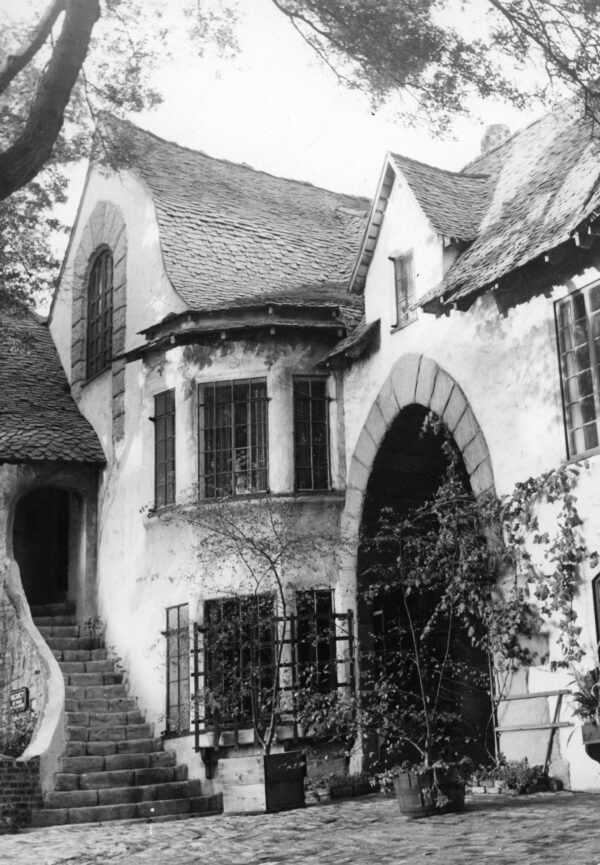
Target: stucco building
<point>228,333</point>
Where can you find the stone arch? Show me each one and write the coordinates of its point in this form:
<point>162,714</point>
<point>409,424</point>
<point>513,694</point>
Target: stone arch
<point>414,379</point>
<point>105,227</point>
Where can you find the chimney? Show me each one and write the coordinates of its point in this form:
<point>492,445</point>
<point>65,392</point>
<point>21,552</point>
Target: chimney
<point>494,135</point>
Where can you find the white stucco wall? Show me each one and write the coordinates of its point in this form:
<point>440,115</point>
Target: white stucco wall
<point>508,369</point>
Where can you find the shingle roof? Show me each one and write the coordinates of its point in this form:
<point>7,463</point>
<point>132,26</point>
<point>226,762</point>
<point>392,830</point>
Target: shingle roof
<point>228,231</point>
<point>545,185</point>
<point>38,418</point>
<point>454,203</point>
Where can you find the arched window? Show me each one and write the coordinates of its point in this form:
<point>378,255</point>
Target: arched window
<point>99,320</point>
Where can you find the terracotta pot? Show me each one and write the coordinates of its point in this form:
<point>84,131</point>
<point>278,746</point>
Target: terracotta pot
<point>430,791</point>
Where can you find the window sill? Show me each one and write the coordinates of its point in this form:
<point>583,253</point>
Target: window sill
<point>98,375</point>
<point>157,515</point>
<point>402,325</point>
<point>586,455</point>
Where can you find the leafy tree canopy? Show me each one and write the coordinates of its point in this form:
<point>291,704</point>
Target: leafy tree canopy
<point>61,61</point>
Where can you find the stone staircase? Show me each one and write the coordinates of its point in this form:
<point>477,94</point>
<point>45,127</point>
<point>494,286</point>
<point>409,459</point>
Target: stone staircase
<point>113,767</point>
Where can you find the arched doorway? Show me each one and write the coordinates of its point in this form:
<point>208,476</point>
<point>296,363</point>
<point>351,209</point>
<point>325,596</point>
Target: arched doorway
<point>409,467</point>
<point>41,545</point>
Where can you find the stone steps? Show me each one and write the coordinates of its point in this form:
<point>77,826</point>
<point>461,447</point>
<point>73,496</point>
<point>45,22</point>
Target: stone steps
<point>113,767</point>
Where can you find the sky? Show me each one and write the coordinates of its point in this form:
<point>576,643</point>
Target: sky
<point>276,107</point>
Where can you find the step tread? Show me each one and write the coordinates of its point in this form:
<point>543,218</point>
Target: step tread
<point>152,809</point>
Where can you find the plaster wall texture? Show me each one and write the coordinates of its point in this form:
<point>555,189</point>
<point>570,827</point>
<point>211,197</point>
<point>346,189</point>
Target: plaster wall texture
<point>507,368</point>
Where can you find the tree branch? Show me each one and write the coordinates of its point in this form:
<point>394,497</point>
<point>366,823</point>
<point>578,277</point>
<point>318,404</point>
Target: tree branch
<point>25,157</point>
<point>16,62</point>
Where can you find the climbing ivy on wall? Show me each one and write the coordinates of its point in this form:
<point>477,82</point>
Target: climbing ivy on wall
<point>554,574</point>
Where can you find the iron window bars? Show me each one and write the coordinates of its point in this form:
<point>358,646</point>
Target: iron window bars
<point>99,314</point>
<point>164,448</point>
<point>315,638</point>
<point>578,329</point>
<point>233,438</point>
<point>177,636</point>
<point>311,434</point>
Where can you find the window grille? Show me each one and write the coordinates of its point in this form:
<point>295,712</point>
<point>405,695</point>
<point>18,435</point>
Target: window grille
<point>164,448</point>
<point>235,653</point>
<point>239,656</point>
<point>578,327</point>
<point>404,283</point>
<point>315,640</point>
<point>233,438</point>
<point>177,635</point>
<point>311,434</point>
<point>100,308</point>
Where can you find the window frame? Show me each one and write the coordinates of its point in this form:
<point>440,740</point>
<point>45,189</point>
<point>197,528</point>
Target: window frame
<point>404,301</point>
<point>316,627</point>
<point>593,369</point>
<point>263,618</point>
<point>99,323</point>
<point>181,657</point>
<point>297,381</point>
<point>165,493</point>
<point>257,426</point>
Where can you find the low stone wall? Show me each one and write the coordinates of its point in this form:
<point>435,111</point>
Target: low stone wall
<point>20,792</point>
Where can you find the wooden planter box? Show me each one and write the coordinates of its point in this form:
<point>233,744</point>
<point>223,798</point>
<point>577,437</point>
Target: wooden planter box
<point>258,784</point>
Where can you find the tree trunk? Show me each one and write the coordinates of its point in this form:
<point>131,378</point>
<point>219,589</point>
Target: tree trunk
<point>26,156</point>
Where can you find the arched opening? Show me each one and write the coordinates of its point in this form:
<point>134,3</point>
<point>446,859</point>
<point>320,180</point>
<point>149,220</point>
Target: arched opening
<point>41,544</point>
<point>408,470</point>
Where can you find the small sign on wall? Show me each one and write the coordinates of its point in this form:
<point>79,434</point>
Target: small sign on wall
<point>19,700</point>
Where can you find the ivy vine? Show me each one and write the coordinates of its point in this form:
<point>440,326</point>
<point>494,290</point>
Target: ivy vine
<point>556,582</point>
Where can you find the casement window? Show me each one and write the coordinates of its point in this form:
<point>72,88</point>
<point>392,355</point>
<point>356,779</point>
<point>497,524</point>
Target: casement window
<point>578,328</point>
<point>177,635</point>
<point>239,655</point>
<point>232,438</point>
<point>404,287</point>
<point>164,448</point>
<point>99,314</point>
<point>315,640</point>
<point>311,434</point>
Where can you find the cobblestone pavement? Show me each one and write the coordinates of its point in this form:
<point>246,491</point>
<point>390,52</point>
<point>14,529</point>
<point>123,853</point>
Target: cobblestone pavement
<point>543,828</point>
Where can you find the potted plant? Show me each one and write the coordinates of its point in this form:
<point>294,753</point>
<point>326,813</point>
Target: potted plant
<point>586,705</point>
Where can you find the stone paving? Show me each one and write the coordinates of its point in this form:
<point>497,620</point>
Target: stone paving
<point>543,828</point>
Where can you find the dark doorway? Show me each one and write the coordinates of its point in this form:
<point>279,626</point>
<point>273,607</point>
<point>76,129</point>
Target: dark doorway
<point>41,544</point>
<point>408,470</point>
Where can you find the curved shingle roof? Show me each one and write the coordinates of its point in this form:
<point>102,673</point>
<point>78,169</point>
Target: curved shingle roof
<point>545,184</point>
<point>38,418</point>
<point>229,232</point>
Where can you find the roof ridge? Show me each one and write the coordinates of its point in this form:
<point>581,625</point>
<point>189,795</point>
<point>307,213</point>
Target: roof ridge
<point>514,135</point>
<point>428,165</point>
<point>245,165</point>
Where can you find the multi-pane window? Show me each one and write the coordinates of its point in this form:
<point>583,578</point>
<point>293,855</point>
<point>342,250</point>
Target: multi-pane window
<point>311,434</point>
<point>233,438</point>
<point>178,669</point>
<point>315,639</point>
<point>578,325</point>
<point>404,284</point>
<point>99,314</point>
<point>164,448</point>
<point>239,657</point>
